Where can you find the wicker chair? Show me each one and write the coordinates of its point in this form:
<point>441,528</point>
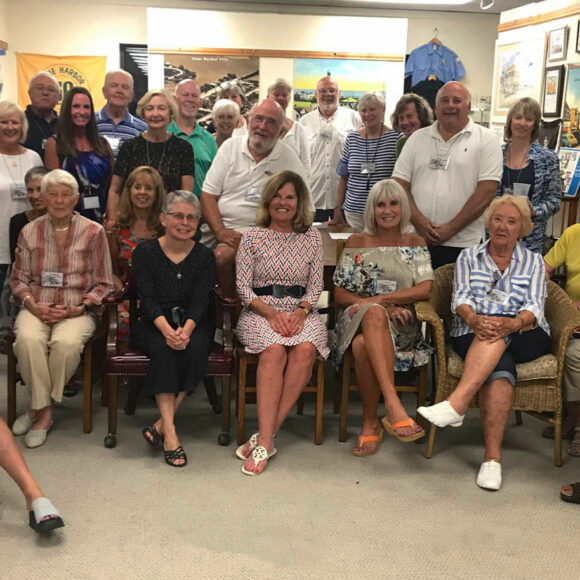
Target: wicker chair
<point>538,388</point>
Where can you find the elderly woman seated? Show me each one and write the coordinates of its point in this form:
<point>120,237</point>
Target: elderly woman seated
<point>498,305</point>
<point>380,274</point>
<point>175,276</point>
<point>62,270</point>
<point>279,279</point>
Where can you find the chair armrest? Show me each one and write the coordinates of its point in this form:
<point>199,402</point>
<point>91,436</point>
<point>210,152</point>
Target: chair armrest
<point>118,296</point>
<point>225,301</point>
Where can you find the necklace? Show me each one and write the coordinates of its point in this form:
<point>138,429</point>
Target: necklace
<point>369,168</point>
<point>61,229</point>
<point>509,189</point>
<point>162,155</point>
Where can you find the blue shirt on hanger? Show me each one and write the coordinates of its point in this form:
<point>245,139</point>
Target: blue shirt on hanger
<point>434,59</point>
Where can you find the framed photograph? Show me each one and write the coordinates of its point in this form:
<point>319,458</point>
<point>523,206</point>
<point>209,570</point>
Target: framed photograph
<point>578,37</point>
<point>570,171</point>
<point>553,90</point>
<point>557,44</point>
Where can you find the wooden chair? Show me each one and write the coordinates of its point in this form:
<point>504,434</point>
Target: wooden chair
<point>538,388</point>
<point>123,361</point>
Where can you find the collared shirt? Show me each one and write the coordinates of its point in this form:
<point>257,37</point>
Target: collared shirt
<point>204,149</point>
<point>567,251</point>
<point>83,260</point>
<point>326,139</point>
<point>39,130</point>
<point>297,139</point>
<point>434,59</point>
<point>479,283</point>
<point>237,179</point>
<point>473,155</point>
<point>117,133</point>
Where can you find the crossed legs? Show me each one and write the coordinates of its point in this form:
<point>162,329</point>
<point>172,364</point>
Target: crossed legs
<point>168,404</point>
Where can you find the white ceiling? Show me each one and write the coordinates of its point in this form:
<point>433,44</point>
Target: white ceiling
<point>472,6</point>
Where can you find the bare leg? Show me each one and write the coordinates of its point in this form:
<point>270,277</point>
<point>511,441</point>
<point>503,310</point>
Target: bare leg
<point>225,257</point>
<point>495,402</point>
<point>12,461</point>
<point>166,404</point>
<point>42,418</point>
<point>176,402</point>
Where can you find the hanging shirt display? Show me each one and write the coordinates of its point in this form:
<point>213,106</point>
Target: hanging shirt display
<point>434,59</point>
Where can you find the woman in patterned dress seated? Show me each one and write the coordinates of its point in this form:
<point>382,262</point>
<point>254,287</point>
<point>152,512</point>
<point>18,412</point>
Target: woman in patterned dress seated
<point>279,280</point>
<point>380,274</point>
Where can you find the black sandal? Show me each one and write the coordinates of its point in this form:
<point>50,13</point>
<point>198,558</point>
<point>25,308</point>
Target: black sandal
<point>575,497</point>
<point>156,439</point>
<point>172,456</point>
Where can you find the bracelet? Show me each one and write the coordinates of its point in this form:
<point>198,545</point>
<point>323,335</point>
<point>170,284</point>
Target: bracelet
<point>27,297</point>
<point>523,323</point>
<point>306,310</point>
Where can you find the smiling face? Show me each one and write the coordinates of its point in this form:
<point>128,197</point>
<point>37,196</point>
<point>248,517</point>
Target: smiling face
<point>264,126</point>
<point>142,191</point>
<point>372,115</point>
<point>157,113</point>
<point>80,110</point>
<point>281,96</point>
<point>60,200</point>
<point>11,129</point>
<point>505,225</point>
<point>43,93</point>
<point>283,205</point>
<point>453,107</point>
<point>387,213</point>
<point>409,120</point>
<point>523,125</point>
<point>188,97</point>
<point>180,222</point>
<point>33,193</point>
<point>118,89</point>
<point>327,95</point>
<point>233,94</point>
<point>225,123</point>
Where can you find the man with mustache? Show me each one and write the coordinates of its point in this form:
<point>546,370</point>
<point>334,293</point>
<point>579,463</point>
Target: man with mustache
<point>327,129</point>
<point>233,185</point>
<point>450,171</point>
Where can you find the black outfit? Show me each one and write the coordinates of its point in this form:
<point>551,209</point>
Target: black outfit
<point>17,222</point>
<point>428,90</point>
<point>526,175</point>
<point>441,255</point>
<point>173,159</point>
<point>163,286</point>
<point>39,130</point>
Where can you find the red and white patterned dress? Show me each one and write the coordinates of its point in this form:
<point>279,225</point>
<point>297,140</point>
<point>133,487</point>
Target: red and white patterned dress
<point>268,257</point>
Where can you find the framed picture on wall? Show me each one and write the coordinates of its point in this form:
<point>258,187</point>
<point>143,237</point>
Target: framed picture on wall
<point>553,90</point>
<point>557,44</point>
<point>578,37</point>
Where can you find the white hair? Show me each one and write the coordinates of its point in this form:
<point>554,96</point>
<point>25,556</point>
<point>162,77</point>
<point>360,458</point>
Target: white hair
<point>118,71</point>
<point>43,73</point>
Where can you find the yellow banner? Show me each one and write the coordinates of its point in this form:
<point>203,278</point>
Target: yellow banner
<point>70,71</point>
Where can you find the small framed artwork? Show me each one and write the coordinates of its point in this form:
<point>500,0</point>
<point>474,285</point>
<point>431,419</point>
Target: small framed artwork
<point>553,90</point>
<point>557,44</point>
<point>578,37</point>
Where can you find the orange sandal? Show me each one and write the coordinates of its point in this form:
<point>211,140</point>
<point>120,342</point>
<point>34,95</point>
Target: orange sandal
<point>391,429</point>
<point>362,439</point>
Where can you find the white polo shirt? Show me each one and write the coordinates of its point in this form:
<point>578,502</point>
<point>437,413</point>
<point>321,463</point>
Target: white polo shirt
<point>474,155</point>
<point>326,139</point>
<point>237,180</point>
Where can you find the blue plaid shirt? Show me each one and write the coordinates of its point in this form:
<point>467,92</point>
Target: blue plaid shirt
<point>476,275</point>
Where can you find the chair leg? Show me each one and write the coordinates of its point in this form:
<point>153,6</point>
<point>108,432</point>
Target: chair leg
<point>133,396</point>
<point>11,388</point>
<point>319,402</point>
<point>558,438</point>
<point>113,403</point>
<point>241,400</point>
<point>224,437</point>
<point>214,400</point>
<point>104,395</point>
<point>421,395</point>
<point>343,416</point>
<point>431,442</point>
<point>519,420</point>
<point>87,391</point>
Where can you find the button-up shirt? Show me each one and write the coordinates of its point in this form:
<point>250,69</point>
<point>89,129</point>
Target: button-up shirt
<point>434,59</point>
<point>479,283</point>
<point>117,133</point>
<point>326,139</point>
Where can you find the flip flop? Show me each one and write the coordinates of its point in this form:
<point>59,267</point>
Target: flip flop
<point>156,439</point>
<point>575,497</point>
<point>391,429</point>
<point>172,456</point>
<point>259,454</point>
<point>362,439</point>
<point>40,509</point>
<point>253,440</point>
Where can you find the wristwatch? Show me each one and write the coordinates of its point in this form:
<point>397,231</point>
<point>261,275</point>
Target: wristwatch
<point>305,309</point>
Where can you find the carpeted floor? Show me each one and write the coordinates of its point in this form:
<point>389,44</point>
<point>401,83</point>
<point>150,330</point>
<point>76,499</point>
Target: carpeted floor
<point>316,512</point>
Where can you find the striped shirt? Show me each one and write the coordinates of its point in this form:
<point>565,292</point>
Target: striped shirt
<point>83,260</point>
<point>116,134</point>
<point>381,151</point>
<point>480,284</point>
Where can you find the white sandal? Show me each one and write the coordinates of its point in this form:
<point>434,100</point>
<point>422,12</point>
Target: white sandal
<point>40,509</point>
<point>253,440</point>
<point>259,454</point>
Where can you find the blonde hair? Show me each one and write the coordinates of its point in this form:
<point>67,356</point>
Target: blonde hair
<point>8,107</point>
<point>522,204</point>
<point>146,98</point>
<point>386,189</point>
<point>304,209</point>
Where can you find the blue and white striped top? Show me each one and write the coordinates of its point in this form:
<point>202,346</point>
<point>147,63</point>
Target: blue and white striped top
<point>382,151</point>
<point>476,275</point>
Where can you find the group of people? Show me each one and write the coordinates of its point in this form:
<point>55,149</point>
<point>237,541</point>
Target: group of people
<point>94,197</point>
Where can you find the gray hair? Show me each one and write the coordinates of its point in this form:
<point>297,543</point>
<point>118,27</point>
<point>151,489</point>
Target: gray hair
<point>35,173</point>
<point>280,83</point>
<point>181,195</point>
<point>59,177</point>
<point>225,106</point>
<point>372,98</point>
<point>44,73</point>
<point>228,86</point>
<point>117,71</point>
<point>386,189</point>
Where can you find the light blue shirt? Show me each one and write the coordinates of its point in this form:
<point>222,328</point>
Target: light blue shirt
<point>434,59</point>
<point>477,279</point>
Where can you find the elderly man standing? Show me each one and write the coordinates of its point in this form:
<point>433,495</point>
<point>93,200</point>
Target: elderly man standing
<point>450,171</point>
<point>114,121</point>
<point>44,92</point>
<point>327,128</point>
<point>188,97</point>
<point>233,185</point>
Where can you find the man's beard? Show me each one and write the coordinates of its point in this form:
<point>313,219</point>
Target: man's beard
<point>260,146</point>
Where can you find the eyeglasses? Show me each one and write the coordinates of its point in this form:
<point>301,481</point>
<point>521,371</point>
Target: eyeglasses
<point>181,216</point>
<point>270,122</point>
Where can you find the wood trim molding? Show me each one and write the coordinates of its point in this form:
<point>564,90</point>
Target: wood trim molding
<point>572,10</point>
<point>281,53</point>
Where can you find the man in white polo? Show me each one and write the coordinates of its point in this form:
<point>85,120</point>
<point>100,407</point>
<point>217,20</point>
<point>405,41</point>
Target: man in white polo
<point>327,128</point>
<point>233,185</point>
<point>450,171</point>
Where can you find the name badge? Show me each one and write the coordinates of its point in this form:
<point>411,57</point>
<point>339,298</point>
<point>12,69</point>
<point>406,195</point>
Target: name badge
<point>253,194</point>
<point>498,296</point>
<point>367,168</point>
<point>52,279</point>
<point>44,143</point>
<point>439,163</point>
<point>386,286</point>
<point>18,190</point>
<point>91,202</point>
<point>521,189</point>
<point>114,142</point>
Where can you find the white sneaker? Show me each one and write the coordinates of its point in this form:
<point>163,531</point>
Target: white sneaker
<point>442,414</point>
<point>489,476</point>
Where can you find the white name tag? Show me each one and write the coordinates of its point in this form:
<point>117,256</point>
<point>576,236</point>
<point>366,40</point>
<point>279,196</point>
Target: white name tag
<point>498,296</point>
<point>52,279</point>
<point>114,142</point>
<point>367,168</point>
<point>91,202</point>
<point>386,286</point>
<point>253,194</point>
<point>521,189</point>
<point>18,190</point>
